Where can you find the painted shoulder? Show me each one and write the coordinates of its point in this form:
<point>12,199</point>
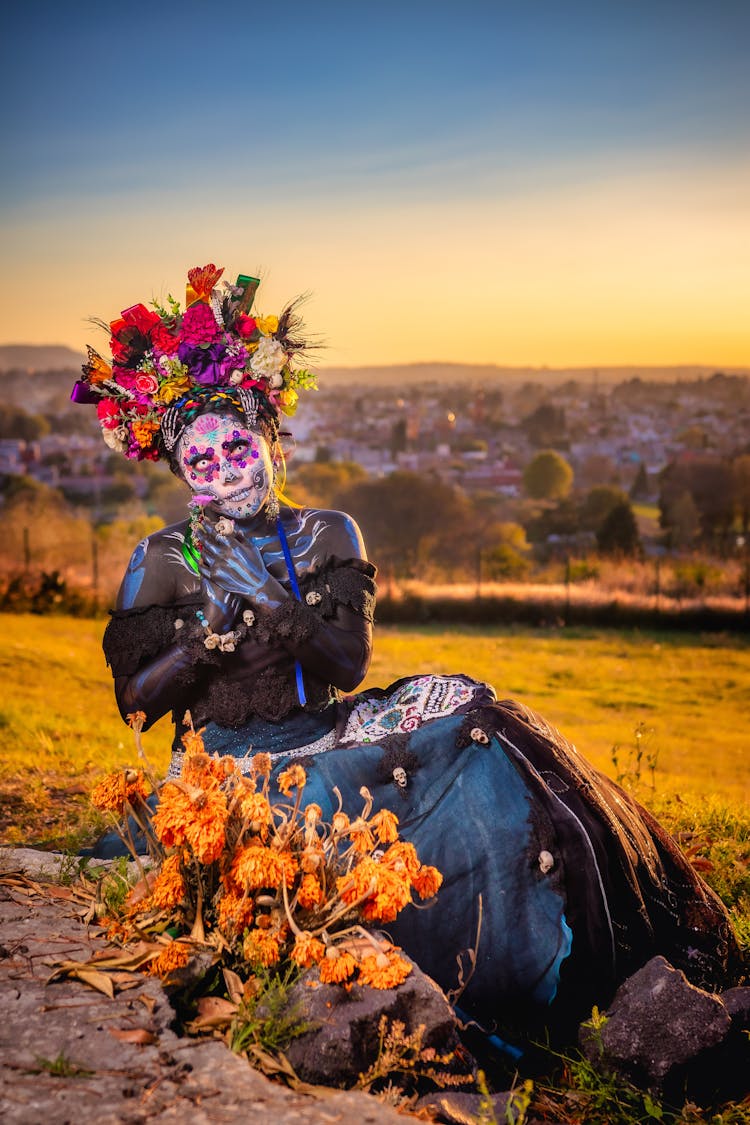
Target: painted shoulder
<point>150,575</point>
<point>342,535</point>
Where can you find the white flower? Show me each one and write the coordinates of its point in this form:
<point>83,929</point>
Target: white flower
<point>268,358</point>
<point>114,440</point>
<point>276,381</point>
<point>212,640</point>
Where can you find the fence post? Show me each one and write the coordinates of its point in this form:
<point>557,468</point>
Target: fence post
<point>567,590</point>
<point>26,551</point>
<point>657,584</point>
<point>95,569</point>
<point>479,574</point>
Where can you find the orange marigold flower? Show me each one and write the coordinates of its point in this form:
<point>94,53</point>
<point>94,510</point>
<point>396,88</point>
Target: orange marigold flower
<point>340,823</point>
<point>310,892</point>
<point>385,824</point>
<point>192,740</point>
<point>254,808</point>
<point>293,777</point>
<point>261,764</point>
<point>361,880</point>
<point>136,720</point>
<point>143,431</point>
<point>307,950</point>
<point>313,813</point>
<point>256,866</point>
<point>113,791</point>
<point>312,856</point>
<point>336,966</point>
<point>199,770</point>
<point>402,857</point>
<point>427,881</point>
<point>261,946</point>
<point>205,829</point>
<point>174,956</point>
<point>383,970</point>
<point>169,819</point>
<point>392,894</point>
<point>361,836</point>
<point>235,913</point>
<point>169,886</point>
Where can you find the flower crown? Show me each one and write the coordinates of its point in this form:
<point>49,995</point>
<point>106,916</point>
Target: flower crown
<point>161,357</point>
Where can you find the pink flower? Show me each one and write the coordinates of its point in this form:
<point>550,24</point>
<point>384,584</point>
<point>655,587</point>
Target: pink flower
<point>146,384</point>
<point>246,325</point>
<point>198,326</point>
<point>163,340</point>
<point>108,413</point>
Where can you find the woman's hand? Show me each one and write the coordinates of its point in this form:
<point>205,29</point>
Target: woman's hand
<point>234,564</point>
<point>220,607</point>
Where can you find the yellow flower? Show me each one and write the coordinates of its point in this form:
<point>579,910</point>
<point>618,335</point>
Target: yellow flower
<point>385,824</point>
<point>175,956</point>
<point>173,388</point>
<point>383,970</point>
<point>261,946</point>
<point>307,950</point>
<point>336,966</point>
<point>113,791</point>
<point>288,400</point>
<point>267,325</point>
<point>310,892</point>
<point>294,777</point>
<point>169,886</point>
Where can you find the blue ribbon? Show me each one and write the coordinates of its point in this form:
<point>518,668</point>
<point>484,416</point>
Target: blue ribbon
<point>295,590</point>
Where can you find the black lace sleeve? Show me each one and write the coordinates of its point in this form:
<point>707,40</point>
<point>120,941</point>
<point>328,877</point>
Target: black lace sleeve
<point>134,636</point>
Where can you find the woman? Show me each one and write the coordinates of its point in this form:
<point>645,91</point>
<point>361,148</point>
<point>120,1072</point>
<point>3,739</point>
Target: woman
<point>255,618</point>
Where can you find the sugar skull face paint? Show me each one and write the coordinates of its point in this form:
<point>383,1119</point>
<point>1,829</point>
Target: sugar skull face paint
<point>220,457</point>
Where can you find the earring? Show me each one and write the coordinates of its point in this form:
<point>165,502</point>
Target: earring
<point>272,503</point>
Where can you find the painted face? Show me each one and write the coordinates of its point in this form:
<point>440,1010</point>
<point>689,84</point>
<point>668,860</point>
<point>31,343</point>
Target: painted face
<point>221,458</point>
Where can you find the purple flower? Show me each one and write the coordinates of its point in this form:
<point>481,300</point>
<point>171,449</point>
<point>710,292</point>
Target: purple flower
<point>205,364</point>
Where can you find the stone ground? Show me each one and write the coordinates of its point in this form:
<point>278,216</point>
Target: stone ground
<point>120,1060</point>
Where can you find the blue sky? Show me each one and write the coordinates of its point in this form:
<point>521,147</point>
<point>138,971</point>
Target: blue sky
<point>342,141</point>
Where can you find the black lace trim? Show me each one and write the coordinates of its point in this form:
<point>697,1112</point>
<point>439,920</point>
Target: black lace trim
<point>135,636</point>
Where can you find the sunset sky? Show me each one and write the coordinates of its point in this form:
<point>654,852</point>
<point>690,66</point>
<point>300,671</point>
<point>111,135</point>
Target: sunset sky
<point>543,182</point>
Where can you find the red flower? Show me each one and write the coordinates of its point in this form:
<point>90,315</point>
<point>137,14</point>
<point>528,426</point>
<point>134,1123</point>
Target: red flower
<point>246,325</point>
<point>108,413</point>
<point>163,339</point>
<point>138,316</point>
<point>146,384</point>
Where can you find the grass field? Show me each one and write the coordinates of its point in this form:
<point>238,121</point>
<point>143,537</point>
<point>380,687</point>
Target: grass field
<point>60,727</point>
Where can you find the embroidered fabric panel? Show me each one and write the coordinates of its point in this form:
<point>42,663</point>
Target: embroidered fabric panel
<point>413,703</point>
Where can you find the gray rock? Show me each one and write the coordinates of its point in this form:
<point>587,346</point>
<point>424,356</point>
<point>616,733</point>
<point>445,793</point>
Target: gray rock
<point>343,1042</point>
<point>69,1055</point>
<point>737,1003</point>
<point>658,1027</point>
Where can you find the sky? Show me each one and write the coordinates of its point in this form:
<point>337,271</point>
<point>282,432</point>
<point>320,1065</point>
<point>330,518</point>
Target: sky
<point>527,183</point>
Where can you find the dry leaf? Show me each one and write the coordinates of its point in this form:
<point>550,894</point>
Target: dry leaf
<point>138,1035</point>
<point>214,1013</point>
<point>235,987</point>
<point>149,1002</point>
<point>100,981</point>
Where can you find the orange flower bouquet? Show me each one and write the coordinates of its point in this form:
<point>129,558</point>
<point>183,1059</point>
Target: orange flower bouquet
<point>260,884</point>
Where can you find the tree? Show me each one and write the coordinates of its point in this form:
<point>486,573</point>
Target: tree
<point>684,521</point>
<point>639,489</point>
<point>548,476</point>
<point>598,503</point>
<point>322,484</point>
<point>545,425</point>
<point>413,522</point>
<point>618,534</point>
<point>18,424</point>
<point>741,478</point>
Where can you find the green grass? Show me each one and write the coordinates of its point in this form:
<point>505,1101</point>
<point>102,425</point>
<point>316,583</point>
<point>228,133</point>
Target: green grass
<point>690,692</point>
<point>60,727</point>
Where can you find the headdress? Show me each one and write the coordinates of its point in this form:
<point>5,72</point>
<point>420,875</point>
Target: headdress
<point>166,361</point>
